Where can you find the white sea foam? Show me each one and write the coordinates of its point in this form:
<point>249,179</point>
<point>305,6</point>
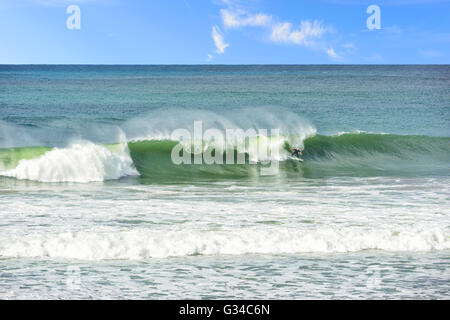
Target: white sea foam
<point>80,162</point>
<point>144,243</point>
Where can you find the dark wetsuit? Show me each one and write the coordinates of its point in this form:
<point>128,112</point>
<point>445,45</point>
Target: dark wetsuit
<point>296,153</point>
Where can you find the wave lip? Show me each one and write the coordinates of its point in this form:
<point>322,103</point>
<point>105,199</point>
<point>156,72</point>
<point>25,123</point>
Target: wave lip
<point>143,244</point>
<point>80,162</point>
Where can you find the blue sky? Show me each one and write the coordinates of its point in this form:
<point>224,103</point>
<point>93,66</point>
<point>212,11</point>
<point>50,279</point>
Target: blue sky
<point>224,32</point>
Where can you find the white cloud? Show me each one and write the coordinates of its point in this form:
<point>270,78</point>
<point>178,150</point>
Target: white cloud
<point>283,32</point>
<point>239,18</point>
<point>209,58</point>
<point>306,34</point>
<point>219,41</point>
<point>332,53</point>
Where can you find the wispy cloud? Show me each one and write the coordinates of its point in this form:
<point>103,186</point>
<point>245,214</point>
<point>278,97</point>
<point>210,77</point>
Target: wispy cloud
<point>283,32</point>
<point>219,41</point>
<point>332,53</point>
<point>239,18</point>
<point>307,33</point>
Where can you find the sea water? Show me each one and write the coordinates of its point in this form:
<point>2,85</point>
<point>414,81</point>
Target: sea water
<point>91,205</point>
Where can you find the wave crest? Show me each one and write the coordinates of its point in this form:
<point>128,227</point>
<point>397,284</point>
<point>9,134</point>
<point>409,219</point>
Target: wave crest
<point>80,162</point>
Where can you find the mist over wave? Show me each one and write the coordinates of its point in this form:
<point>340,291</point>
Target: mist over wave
<point>159,124</point>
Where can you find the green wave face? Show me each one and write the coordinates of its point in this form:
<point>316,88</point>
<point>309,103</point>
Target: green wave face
<point>153,161</point>
<point>9,158</point>
<point>355,154</point>
<point>364,154</point>
<point>360,144</point>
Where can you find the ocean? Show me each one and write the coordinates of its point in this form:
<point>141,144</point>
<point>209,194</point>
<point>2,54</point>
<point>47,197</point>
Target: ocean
<point>93,206</point>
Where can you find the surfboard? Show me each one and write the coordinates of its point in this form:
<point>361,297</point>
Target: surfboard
<point>295,159</point>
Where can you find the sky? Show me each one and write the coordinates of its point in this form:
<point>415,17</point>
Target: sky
<point>225,32</point>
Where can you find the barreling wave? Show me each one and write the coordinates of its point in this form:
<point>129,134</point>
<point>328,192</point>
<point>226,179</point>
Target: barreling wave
<point>349,154</point>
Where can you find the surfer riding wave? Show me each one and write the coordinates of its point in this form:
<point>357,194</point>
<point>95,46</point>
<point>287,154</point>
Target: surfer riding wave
<point>296,153</point>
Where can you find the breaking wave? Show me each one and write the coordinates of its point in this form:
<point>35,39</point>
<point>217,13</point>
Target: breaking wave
<point>351,154</point>
<point>81,162</point>
<point>148,142</point>
<point>142,244</point>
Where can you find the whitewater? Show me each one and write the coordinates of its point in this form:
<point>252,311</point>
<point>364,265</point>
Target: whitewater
<point>92,205</point>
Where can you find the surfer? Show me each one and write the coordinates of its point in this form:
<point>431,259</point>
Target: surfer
<point>296,153</point>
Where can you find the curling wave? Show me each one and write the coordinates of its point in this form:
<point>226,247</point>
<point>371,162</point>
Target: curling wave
<point>349,154</point>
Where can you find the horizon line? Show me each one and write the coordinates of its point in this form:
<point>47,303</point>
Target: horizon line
<point>237,64</point>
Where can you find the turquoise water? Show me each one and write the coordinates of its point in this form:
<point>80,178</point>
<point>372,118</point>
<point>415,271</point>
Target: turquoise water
<point>92,205</point>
